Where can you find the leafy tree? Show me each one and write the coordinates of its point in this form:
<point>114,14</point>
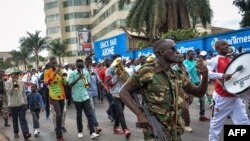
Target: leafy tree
<point>183,34</point>
<point>244,7</point>
<point>58,48</point>
<point>35,43</point>
<point>155,17</point>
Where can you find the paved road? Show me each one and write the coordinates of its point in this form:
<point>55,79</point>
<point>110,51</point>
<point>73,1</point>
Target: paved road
<point>200,132</point>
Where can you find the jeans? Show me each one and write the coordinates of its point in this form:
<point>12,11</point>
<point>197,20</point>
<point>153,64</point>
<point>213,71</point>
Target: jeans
<point>84,105</point>
<point>58,107</point>
<point>63,115</point>
<point>119,115</point>
<point>202,103</point>
<point>109,97</point>
<point>35,117</point>
<point>92,103</point>
<point>19,112</point>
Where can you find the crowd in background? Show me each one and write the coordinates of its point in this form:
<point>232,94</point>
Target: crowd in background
<point>36,84</point>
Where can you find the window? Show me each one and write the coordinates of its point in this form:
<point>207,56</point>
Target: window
<point>53,30</point>
<point>71,41</point>
<point>77,15</point>
<point>75,3</point>
<point>53,17</point>
<point>76,27</point>
<point>105,15</point>
<point>50,5</point>
<point>107,29</point>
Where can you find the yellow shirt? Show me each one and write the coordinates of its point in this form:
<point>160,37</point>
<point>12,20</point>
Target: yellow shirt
<point>56,85</point>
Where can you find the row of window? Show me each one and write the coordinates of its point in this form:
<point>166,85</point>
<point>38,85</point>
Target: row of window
<point>76,15</point>
<point>53,30</point>
<point>76,27</point>
<point>51,18</point>
<point>109,28</point>
<point>71,40</point>
<point>105,15</point>
<point>50,5</point>
<point>75,3</point>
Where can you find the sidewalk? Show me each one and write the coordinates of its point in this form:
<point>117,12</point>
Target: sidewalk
<point>2,137</point>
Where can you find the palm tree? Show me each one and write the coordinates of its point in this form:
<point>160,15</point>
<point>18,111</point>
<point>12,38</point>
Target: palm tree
<point>154,17</point>
<point>35,43</point>
<point>20,56</point>
<point>15,57</point>
<point>58,48</point>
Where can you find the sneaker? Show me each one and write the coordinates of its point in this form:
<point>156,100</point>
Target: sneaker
<point>16,136</point>
<point>94,135</point>
<point>127,133</point>
<point>27,136</point>
<point>98,130</point>
<point>38,131</point>
<point>64,129</point>
<point>211,105</point>
<point>188,129</point>
<point>204,118</point>
<point>35,132</point>
<point>117,130</point>
<point>80,135</point>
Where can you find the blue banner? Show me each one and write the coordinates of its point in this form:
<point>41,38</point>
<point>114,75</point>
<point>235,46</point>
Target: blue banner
<point>235,38</point>
<point>145,52</point>
<point>110,46</point>
<point>184,46</point>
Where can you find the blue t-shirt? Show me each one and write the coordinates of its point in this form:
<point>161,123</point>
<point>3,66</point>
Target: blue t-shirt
<point>191,69</point>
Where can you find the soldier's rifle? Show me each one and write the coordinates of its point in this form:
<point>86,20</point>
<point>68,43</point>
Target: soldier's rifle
<point>155,127</point>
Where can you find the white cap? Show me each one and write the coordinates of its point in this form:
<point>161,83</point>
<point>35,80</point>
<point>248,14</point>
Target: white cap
<point>65,64</point>
<point>203,53</point>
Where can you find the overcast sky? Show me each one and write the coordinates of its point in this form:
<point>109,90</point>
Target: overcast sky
<point>20,16</point>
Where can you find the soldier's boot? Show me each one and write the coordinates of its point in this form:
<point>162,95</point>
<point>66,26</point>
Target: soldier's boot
<point>6,123</point>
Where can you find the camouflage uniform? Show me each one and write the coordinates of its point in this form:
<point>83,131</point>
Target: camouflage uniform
<point>159,88</point>
<point>4,108</point>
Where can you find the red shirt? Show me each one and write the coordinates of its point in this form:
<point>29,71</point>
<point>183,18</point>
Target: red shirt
<point>222,65</point>
<point>102,75</point>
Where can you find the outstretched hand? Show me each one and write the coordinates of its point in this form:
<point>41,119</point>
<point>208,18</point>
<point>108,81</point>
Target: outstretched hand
<point>201,67</point>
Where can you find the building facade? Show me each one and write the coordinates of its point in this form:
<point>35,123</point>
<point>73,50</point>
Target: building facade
<point>65,18</point>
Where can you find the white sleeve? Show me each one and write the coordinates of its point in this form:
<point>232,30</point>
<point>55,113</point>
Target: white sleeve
<point>214,75</point>
<point>212,69</point>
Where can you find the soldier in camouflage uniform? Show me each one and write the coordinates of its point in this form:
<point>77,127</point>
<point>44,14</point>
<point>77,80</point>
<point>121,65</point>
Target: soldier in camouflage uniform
<point>163,90</point>
<point>4,101</point>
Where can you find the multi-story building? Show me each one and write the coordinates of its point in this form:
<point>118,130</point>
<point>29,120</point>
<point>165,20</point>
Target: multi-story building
<point>64,18</point>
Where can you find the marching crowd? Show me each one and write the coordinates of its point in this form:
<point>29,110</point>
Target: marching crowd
<point>53,88</point>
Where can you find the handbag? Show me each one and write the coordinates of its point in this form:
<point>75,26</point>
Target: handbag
<point>36,105</point>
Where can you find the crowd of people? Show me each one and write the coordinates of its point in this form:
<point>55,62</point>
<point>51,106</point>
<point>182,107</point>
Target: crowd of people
<point>167,80</point>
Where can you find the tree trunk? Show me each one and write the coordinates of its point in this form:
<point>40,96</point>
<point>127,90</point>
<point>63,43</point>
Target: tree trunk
<point>184,17</point>
<point>25,65</point>
<point>59,57</point>
<point>37,60</point>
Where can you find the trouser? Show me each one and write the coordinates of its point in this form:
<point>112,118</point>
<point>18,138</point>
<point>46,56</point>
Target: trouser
<point>186,113</point>
<point>19,112</point>
<point>63,115</point>
<point>100,94</point>
<point>202,103</point>
<point>119,115</point>
<point>5,109</point>
<point>224,107</point>
<point>58,106</point>
<point>86,106</point>
<point>92,103</point>
<point>35,117</point>
<point>68,94</point>
<point>47,103</point>
<point>110,110</point>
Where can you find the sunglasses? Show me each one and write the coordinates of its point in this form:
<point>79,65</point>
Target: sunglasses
<point>173,48</point>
